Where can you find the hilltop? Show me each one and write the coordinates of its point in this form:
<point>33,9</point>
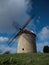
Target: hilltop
<point>25,59</point>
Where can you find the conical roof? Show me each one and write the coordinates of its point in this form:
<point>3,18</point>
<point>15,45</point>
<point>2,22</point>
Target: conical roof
<point>28,32</point>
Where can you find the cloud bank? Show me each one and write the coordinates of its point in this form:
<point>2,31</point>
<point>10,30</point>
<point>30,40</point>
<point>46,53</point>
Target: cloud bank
<point>11,10</point>
<point>44,33</point>
<point>43,38</point>
<point>6,48</point>
<point>3,39</point>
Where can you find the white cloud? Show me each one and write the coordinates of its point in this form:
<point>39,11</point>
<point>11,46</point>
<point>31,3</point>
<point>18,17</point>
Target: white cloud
<point>44,33</point>
<point>43,37</point>
<point>40,46</point>
<point>38,19</point>
<point>6,48</point>
<point>2,39</point>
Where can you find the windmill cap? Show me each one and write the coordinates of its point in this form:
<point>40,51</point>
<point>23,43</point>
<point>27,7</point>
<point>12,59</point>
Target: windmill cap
<point>28,32</point>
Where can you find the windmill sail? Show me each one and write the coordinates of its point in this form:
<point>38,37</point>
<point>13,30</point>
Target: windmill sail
<point>10,40</point>
<point>16,25</point>
<point>16,35</point>
<point>29,20</point>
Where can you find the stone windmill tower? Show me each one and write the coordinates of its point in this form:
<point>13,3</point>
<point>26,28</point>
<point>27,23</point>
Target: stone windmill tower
<point>26,42</point>
<point>26,39</point>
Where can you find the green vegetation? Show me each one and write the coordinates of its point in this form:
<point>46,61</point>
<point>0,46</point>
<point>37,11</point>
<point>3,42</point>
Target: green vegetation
<point>25,59</point>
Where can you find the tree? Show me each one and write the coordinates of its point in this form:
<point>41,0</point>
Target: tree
<point>7,52</point>
<point>46,49</point>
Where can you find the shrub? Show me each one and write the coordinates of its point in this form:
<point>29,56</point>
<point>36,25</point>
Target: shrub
<point>46,49</point>
<point>7,52</point>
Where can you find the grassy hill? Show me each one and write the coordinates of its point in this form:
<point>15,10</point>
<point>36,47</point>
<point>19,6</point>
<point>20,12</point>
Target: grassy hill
<point>25,59</point>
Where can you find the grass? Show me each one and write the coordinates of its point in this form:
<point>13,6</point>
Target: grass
<point>25,59</point>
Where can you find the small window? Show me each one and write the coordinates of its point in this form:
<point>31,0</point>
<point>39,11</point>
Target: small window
<point>23,49</point>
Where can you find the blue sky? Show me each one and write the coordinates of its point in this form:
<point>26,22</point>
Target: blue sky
<point>18,10</point>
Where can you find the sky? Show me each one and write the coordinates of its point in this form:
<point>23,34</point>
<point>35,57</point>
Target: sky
<point>20,11</point>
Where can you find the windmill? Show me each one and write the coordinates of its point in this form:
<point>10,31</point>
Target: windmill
<point>23,38</point>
